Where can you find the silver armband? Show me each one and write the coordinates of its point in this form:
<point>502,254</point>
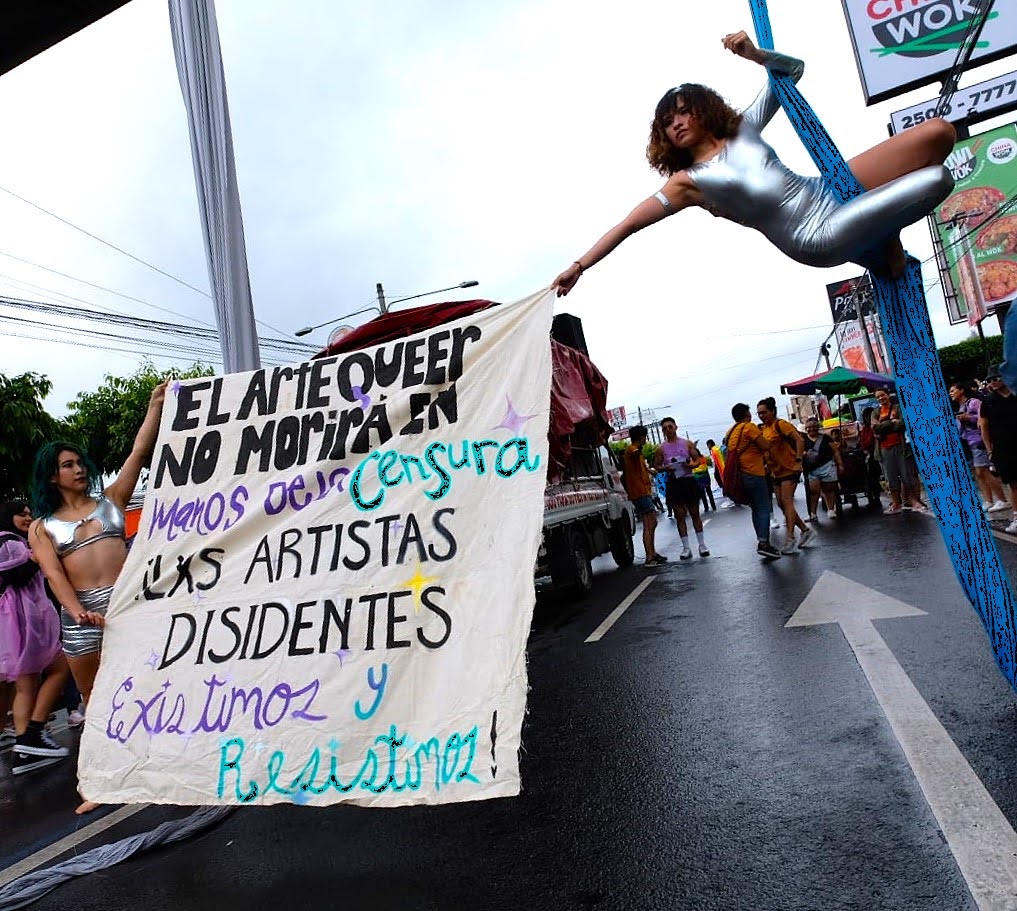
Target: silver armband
<point>664,201</point>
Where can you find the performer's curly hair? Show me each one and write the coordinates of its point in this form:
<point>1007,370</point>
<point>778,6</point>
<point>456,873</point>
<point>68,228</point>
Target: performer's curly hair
<point>712,112</point>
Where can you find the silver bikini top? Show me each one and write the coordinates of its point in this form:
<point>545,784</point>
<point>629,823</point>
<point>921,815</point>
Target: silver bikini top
<point>106,512</point>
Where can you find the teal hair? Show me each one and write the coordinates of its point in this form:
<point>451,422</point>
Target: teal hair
<point>45,496</point>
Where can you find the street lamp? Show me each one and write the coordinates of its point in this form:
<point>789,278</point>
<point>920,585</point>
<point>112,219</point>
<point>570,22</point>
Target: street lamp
<point>383,306</point>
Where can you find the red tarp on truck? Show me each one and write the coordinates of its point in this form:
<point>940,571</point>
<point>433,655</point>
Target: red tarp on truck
<point>578,388</point>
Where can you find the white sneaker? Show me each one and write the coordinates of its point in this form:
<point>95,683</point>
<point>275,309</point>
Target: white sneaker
<point>686,553</point>
<point>986,506</point>
<point>788,547</point>
<point>998,506</point>
<point>704,551</point>
<point>1011,529</point>
<point>774,523</point>
<point>806,537</point>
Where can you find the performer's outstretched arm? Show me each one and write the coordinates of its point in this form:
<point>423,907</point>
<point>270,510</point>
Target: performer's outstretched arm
<point>674,196</point>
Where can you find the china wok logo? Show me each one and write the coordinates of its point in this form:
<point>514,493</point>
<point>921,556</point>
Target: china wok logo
<point>1002,151</point>
<point>922,28</point>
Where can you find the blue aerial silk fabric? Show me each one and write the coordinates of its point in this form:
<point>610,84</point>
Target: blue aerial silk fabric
<point>924,402</point>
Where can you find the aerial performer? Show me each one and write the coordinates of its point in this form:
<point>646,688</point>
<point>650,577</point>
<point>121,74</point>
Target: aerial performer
<point>716,159</point>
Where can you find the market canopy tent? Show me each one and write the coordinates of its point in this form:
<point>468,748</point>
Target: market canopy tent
<point>839,381</point>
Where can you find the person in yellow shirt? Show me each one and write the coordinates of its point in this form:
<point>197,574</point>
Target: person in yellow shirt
<point>784,460</point>
<point>746,443</point>
<point>639,488</point>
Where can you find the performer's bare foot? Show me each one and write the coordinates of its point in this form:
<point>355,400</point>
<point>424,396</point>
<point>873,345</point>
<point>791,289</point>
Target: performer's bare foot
<point>896,258</point>
<point>87,807</point>
<point>892,260</point>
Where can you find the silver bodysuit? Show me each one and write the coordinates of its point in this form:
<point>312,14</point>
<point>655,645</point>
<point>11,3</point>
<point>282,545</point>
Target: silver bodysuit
<point>78,640</point>
<point>111,525</point>
<point>746,182</point>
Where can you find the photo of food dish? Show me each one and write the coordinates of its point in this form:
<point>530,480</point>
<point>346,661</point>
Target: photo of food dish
<point>998,279</point>
<point>983,200</point>
<point>1002,232</point>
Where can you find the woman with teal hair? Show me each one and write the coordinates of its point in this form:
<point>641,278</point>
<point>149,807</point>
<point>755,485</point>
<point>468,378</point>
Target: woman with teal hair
<point>78,539</point>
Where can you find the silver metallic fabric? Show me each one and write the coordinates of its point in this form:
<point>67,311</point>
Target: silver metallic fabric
<point>84,640</point>
<point>106,512</point>
<point>747,183</point>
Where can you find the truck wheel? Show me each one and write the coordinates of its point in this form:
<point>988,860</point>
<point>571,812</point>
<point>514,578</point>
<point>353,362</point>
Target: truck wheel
<point>622,548</point>
<point>571,569</point>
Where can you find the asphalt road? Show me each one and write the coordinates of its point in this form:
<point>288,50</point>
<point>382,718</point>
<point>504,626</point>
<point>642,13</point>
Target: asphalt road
<point>701,755</point>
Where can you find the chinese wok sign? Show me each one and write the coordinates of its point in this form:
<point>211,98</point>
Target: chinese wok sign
<point>902,44</point>
<point>331,588</point>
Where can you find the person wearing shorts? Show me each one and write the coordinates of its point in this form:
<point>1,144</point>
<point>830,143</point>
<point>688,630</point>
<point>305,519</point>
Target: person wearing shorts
<point>677,457</point>
<point>968,412</point>
<point>784,459</point>
<point>998,424</point>
<point>639,488</point>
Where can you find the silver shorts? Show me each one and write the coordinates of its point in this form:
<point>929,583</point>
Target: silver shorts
<point>79,641</point>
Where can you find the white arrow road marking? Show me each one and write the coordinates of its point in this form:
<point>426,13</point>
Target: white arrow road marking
<point>983,842</point>
<point>612,617</point>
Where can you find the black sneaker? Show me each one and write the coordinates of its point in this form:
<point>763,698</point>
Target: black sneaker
<point>766,549</point>
<point>22,763</point>
<point>39,743</point>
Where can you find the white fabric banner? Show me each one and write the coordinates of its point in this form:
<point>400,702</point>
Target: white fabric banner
<point>203,85</point>
<point>331,589</point>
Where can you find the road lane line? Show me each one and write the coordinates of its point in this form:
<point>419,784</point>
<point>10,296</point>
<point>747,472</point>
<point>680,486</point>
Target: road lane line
<point>53,851</point>
<point>612,617</point>
<point>980,837</point>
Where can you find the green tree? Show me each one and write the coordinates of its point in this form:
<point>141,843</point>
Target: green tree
<point>106,421</point>
<point>24,426</point>
<point>966,360</point>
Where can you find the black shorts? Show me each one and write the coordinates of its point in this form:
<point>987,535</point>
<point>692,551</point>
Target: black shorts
<point>1006,469</point>
<point>683,491</point>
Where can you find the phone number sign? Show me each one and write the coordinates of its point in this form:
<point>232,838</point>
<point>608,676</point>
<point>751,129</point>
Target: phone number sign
<point>977,102</point>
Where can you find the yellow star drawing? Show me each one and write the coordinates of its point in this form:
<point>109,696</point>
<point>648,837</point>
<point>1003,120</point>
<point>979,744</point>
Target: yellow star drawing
<point>416,584</point>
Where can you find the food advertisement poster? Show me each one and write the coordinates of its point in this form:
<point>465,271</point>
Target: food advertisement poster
<point>978,221</point>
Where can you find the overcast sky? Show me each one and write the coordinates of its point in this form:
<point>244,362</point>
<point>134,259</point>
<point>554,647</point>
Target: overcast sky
<point>420,144</point>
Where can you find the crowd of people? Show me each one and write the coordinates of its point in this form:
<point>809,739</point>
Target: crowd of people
<point>775,457</point>
<point>59,559</point>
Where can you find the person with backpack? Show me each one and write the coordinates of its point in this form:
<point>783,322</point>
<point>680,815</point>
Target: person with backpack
<point>29,644</point>
<point>784,461</point>
<point>746,449</point>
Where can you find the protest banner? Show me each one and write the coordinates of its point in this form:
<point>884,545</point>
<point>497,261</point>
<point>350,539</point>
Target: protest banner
<point>331,589</point>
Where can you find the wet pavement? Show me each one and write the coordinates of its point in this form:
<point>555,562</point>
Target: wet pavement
<point>701,755</point>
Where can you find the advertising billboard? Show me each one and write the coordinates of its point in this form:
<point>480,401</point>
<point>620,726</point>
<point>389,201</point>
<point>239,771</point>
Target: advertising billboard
<point>848,299</point>
<point>903,44</point>
<point>977,222</point>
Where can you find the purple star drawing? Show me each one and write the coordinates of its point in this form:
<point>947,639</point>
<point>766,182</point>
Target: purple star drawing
<point>153,661</point>
<point>363,400</point>
<point>175,387</point>
<point>513,420</point>
<point>396,527</point>
<point>341,653</point>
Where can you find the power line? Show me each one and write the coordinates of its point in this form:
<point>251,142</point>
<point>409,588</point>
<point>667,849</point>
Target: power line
<point>105,242</point>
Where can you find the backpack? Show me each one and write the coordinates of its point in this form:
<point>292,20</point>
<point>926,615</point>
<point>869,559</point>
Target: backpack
<point>18,574</point>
